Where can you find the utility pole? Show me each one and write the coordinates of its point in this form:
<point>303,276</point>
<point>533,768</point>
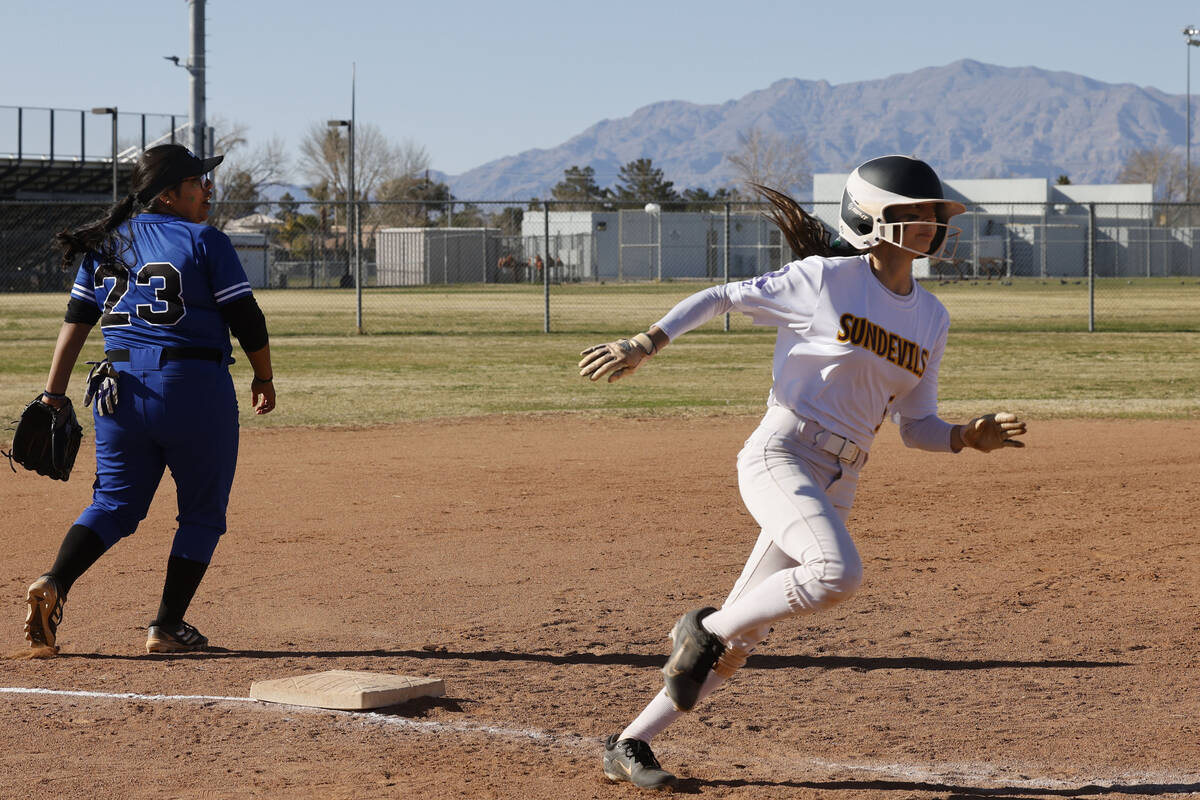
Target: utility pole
<point>195,68</point>
<point>196,82</point>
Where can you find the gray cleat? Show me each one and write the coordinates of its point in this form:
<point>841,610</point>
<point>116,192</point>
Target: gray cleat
<point>694,653</point>
<point>632,760</point>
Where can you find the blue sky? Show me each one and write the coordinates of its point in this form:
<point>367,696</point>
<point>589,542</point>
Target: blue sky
<point>474,81</point>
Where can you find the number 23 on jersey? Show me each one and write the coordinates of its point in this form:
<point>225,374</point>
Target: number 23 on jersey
<point>162,282</point>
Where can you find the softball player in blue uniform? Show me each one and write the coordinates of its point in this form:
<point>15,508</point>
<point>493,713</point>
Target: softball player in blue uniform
<point>167,290</point>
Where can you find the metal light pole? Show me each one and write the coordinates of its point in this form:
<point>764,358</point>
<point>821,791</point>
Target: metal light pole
<point>197,83</point>
<point>113,112</point>
<point>1191,33</point>
<point>1192,41</point>
<point>351,208</point>
<point>202,146</point>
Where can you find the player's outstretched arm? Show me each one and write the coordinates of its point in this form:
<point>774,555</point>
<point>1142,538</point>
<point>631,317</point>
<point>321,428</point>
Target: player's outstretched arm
<point>989,432</point>
<point>615,360</point>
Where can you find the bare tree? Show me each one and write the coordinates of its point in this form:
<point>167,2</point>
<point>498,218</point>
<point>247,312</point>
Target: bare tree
<point>246,171</point>
<point>411,159</point>
<point>324,151</point>
<point>1160,166</point>
<point>769,160</point>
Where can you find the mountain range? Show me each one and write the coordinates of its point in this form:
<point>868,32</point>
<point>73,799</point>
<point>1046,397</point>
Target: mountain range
<point>968,119</point>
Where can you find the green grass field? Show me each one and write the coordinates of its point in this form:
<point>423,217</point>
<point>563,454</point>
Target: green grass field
<point>481,350</point>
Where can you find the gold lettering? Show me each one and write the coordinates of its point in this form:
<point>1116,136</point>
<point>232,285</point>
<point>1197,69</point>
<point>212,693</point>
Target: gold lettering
<point>862,332</point>
<point>847,321</point>
<point>859,331</point>
<point>881,341</point>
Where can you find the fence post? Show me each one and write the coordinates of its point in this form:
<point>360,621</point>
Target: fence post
<point>1091,267</point>
<point>1191,237</point>
<point>725,261</point>
<point>546,267</point>
<point>446,245</point>
<point>1045,233</point>
<point>358,276</point>
<point>975,243</point>
<point>620,245</point>
<point>1148,218</point>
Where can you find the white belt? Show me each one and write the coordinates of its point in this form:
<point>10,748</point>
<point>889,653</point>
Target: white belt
<point>787,421</point>
<point>840,446</point>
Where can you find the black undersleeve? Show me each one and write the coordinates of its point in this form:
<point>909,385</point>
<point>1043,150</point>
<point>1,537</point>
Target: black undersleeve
<point>80,548</point>
<point>81,312</point>
<point>247,323</point>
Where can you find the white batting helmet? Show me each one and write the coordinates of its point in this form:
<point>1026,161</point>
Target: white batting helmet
<point>892,181</point>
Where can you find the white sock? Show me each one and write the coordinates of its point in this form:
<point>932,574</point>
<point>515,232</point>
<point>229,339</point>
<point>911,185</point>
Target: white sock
<point>660,712</point>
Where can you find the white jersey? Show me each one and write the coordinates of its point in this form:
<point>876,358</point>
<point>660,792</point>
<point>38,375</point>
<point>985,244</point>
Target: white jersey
<point>849,351</point>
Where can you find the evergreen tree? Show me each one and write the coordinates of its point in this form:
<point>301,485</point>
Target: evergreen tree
<point>288,207</point>
<point>579,188</point>
<point>641,182</point>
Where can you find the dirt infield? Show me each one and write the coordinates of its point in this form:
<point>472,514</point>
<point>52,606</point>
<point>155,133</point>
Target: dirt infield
<point>1029,625</point>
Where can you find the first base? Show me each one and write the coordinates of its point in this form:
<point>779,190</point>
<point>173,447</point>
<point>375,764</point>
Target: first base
<point>346,691</point>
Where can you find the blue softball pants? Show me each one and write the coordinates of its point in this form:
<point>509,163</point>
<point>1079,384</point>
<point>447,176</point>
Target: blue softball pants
<point>177,414</point>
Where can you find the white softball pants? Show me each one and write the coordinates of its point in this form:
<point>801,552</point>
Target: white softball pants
<point>804,560</point>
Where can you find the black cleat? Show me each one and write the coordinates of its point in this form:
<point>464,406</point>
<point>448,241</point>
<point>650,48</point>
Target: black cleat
<point>632,760</point>
<point>694,653</point>
<point>178,637</point>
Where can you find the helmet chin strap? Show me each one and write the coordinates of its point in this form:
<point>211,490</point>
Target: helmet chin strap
<point>893,232</point>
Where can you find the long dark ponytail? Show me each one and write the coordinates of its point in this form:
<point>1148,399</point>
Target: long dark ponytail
<point>98,236</point>
<point>805,234</point>
<point>159,168</point>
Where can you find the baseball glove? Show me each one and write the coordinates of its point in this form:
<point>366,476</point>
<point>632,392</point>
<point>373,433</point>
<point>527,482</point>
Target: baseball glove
<point>46,439</point>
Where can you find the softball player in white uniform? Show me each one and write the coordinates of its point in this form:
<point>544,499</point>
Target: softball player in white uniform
<point>859,340</point>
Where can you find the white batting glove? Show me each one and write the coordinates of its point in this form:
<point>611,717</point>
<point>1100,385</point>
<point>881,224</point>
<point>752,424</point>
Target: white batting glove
<point>102,387</point>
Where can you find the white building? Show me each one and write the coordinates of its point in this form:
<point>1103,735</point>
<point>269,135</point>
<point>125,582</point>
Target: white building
<point>419,256</point>
<point>254,251</point>
<point>634,245</point>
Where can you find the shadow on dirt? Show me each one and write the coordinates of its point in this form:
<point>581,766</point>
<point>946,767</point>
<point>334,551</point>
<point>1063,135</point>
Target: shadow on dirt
<point>856,663</point>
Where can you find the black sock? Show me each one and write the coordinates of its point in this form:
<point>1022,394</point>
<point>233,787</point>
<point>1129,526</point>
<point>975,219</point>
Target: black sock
<point>80,548</point>
<point>183,578</point>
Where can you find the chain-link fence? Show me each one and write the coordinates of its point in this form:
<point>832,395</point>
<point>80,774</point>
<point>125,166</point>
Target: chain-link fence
<point>502,266</point>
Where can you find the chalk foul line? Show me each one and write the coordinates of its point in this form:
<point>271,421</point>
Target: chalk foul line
<point>957,774</point>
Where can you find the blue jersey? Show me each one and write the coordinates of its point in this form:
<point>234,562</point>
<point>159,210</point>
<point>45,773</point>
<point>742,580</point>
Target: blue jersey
<point>179,275</point>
